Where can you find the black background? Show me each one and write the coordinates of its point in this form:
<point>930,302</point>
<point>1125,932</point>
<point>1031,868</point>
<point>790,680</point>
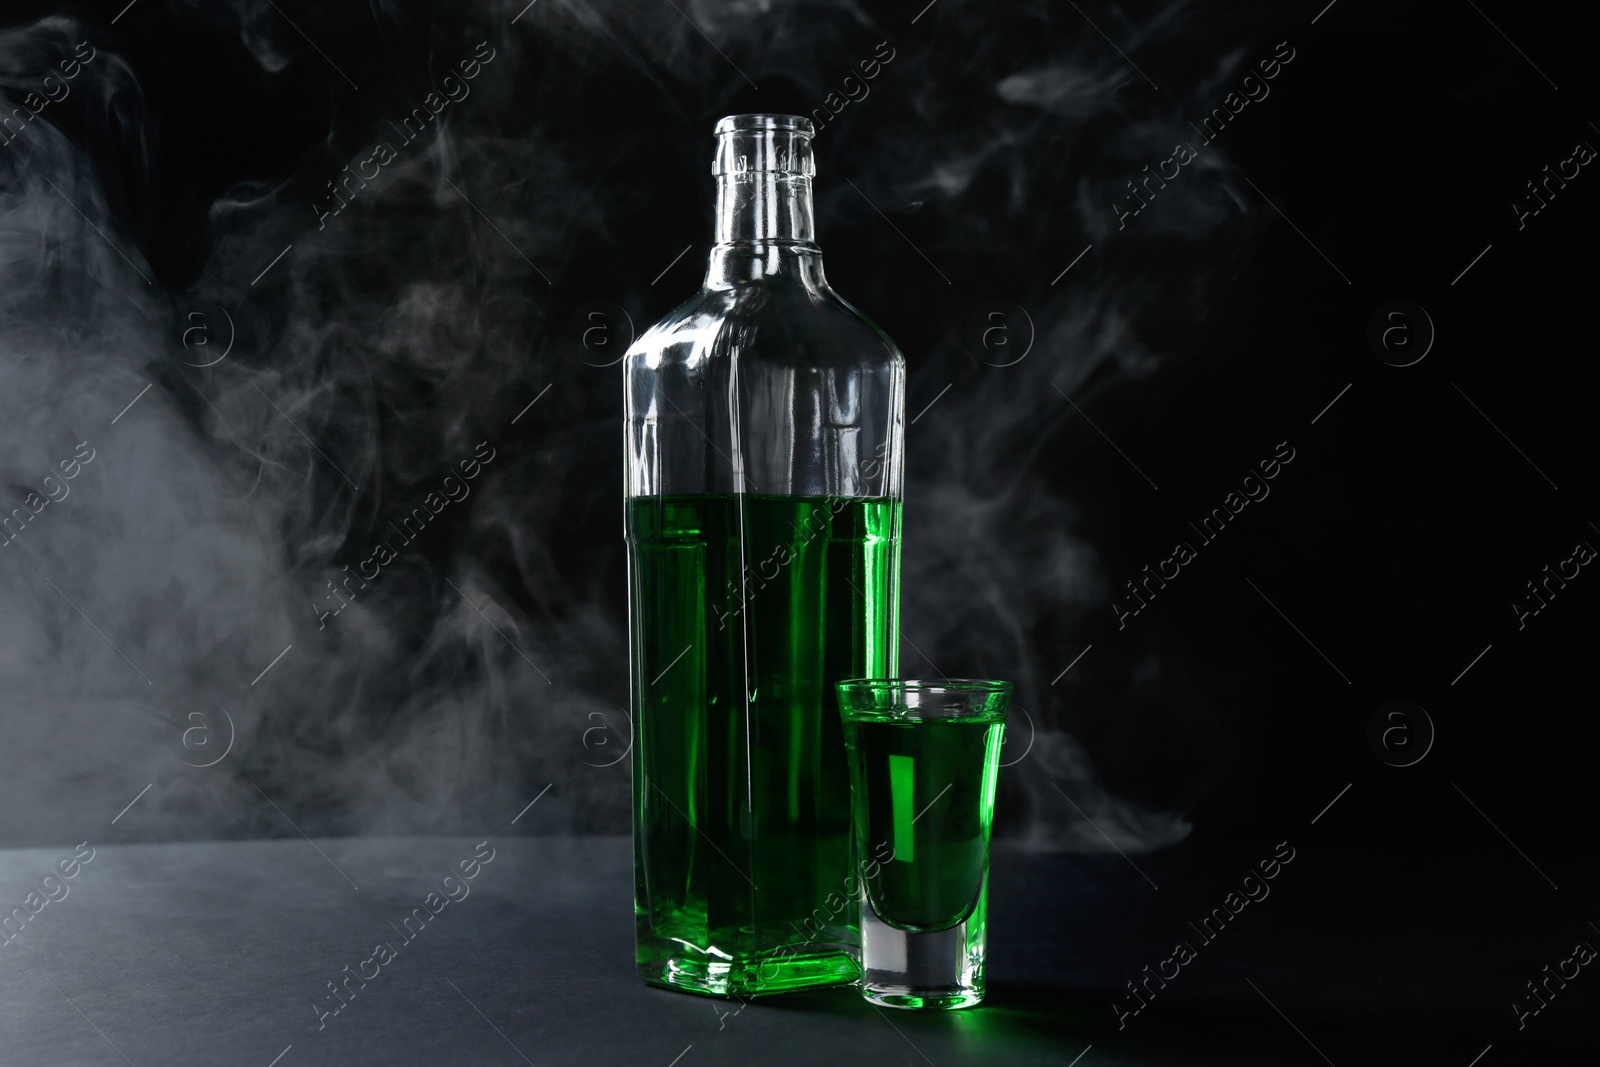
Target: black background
<point>1400,137</point>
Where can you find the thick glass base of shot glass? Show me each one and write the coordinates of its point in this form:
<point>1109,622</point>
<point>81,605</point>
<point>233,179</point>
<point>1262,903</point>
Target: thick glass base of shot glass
<point>926,971</point>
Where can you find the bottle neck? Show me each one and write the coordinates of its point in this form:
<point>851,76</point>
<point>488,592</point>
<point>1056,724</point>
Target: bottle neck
<point>765,228</point>
<point>765,206</point>
<point>764,232</point>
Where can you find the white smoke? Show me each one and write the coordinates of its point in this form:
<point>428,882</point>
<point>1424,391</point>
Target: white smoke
<point>372,350</point>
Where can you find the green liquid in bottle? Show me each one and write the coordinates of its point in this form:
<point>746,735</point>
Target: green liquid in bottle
<point>745,610</point>
<point>929,795</point>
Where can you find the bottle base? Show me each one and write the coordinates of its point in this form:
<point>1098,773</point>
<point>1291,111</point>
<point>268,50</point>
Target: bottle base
<point>750,977</point>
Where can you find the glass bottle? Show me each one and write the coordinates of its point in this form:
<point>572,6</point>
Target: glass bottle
<point>764,432</point>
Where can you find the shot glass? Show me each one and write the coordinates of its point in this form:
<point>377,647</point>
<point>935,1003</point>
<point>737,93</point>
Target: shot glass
<point>924,758</point>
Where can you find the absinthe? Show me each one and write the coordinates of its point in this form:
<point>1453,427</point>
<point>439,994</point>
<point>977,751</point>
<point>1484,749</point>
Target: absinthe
<point>740,779</point>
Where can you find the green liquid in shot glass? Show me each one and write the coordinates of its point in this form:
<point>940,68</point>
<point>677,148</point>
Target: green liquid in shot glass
<point>928,788</point>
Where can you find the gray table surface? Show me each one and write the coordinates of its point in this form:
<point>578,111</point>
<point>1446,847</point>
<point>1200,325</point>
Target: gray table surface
<point>215,953</point>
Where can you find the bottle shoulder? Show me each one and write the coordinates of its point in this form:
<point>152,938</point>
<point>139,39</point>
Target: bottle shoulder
<point>812,325</point>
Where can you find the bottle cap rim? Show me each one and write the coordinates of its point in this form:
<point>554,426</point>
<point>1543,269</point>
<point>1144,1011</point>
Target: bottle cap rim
<point>790,123</point>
